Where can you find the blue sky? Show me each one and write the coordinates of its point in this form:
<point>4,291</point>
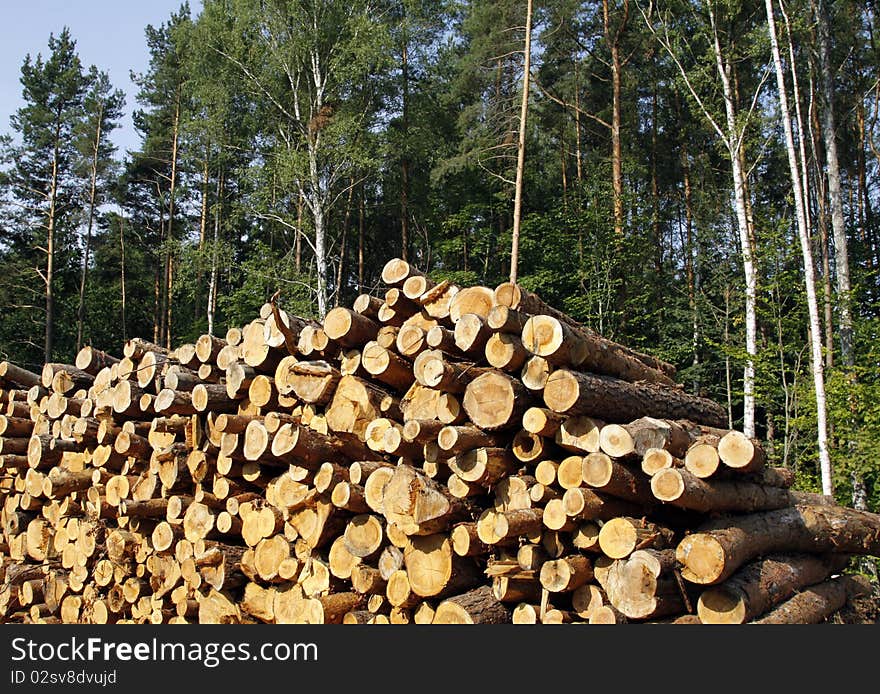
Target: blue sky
<point>108,34</point>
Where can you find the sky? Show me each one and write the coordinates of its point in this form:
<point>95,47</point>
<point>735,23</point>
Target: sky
<point>109,34</point>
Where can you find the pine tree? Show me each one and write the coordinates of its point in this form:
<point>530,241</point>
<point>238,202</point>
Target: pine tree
<point>42,183</point>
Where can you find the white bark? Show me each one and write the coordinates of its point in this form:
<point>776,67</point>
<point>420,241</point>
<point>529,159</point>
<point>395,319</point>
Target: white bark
<point>816,362</point>
<point>733,140</point>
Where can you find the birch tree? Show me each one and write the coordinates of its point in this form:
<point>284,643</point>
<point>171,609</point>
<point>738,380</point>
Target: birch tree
<point>731,131</point>
<point>816,361</point>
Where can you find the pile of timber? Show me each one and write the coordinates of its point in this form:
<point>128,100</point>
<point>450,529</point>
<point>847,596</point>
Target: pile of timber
<point>439,454</point>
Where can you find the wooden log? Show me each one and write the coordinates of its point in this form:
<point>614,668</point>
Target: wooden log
<point>415,286</point>
<point>541,421</point>
<point>458,439</point>
<point>564,345</point>
<point>581,503</point>
<point>566,574</point>
<point>441,339</point>
<point>434,571</point>
<point>432,370</point>
<point>410,340</point>
<point>741,453</point>
<point>494,400</point>
<point>471,334</point>
<point>419,505</point>
<point>478,300</point>
<point>681,488</point>
<point>396,271</point>
<point>611,477</point>
<point>711,555</point>
<point>702,459</point>
<point>506,352</point>
<point>514,296</point>
<point>484,466</point>
<point>136,347</point>
<point>93,360</point>
<point>579,434</point>
<point>668,435</point>
<point>504,527</point>
<point>478,606</point>
<point>503,319</point>
<point>535,373</point>
<point>11,374</point>
<point>349,328</point>
<point>621,536</point>
<point>759,586</point>
<point>364,536</point>
<point>436,301</point>
<point>64,378</point>
<point>366,305</point>
<point>615,400</point>
<point>817,603</point>
<point>642,586</point>
<point>314,382</point>
<point>657,459</point>
<point>386,366</point>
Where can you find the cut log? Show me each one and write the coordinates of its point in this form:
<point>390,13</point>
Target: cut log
<point>580,434</point>
<point>484,466</point>
<point>506,352</point>
<point>584,504</point>
<point>620,537</point>
<point>434,571</point>
<point>386,366</point>
<point>615,400</point>
<point>535,373</point>
<point>702,459</point>
<point>818,602</point>
<point>681,488</point>
<point>471,334</point>
<point>611,477</point>
<point>478,606</point>
<point>477,300</point>
<point>504,527</point>
<point>711,555</point>
<point>396,271</point>
<point>759,586</point>
<point>494,400</point>
<point>741,453</point>
<point>419,505</point>
<point>566,574</point>
<point>11,374</point>
<point>349,328</point>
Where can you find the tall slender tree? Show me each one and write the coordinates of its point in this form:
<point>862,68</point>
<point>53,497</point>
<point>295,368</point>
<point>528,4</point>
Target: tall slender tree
<point>43,182</point>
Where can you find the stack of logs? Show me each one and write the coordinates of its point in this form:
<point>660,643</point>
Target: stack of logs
<point>441,454</point>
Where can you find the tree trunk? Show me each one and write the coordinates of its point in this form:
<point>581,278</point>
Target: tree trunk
<point>816,361</point>
<point>93,187</point>
<point>521,146</point>
<point>50,248</point>
<point>832,162</point>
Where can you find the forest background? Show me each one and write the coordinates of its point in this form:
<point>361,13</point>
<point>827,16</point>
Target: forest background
<point>700,182</point>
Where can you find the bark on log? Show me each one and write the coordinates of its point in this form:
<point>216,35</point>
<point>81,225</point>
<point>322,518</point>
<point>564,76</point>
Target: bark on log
<point>759,586</point>
<point>615,400</point>
<point>711,555</point>
<point>478,606</point>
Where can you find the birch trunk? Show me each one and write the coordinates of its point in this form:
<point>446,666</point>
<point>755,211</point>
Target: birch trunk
<point>816,362</point>
<point>734,146</point>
